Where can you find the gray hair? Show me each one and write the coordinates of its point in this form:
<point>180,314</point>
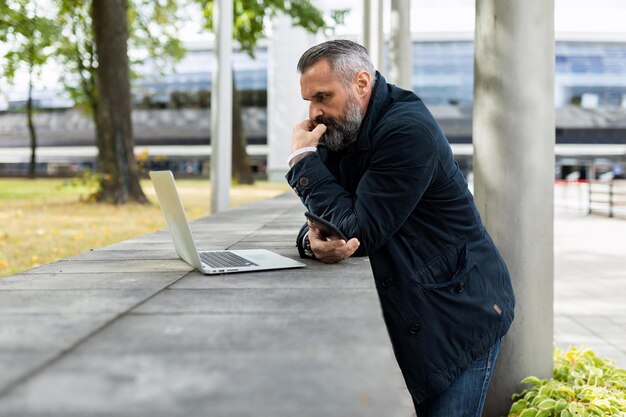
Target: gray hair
<point>346,59</point>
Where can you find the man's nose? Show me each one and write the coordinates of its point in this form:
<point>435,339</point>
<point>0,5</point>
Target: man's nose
<point>314,111</point>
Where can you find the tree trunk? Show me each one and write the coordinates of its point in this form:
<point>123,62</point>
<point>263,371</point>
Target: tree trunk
<point>32,168</point>
<point>116,159</point>
<point>241,170</point>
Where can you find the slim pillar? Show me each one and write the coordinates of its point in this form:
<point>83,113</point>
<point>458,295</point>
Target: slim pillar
<point>513,136</point>
<point>221,107</point>
<point>400,61</point>
<point>373,32</point>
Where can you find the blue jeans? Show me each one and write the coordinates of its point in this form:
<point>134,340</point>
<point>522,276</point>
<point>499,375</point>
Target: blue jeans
<point>465,396</point>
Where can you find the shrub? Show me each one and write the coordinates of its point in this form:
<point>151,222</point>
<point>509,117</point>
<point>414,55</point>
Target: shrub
<point>583,386</point>
<point>89,180</point>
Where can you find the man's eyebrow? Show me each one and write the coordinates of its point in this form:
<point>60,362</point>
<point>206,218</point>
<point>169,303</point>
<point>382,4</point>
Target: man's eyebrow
<point>318,95</point>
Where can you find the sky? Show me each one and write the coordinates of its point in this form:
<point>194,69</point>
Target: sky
<point>432,16</point>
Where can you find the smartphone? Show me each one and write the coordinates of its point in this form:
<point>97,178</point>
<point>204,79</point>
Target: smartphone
<point>326,228</point>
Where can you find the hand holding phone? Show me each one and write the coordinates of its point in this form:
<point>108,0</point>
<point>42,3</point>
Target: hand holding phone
<point>326,228</point>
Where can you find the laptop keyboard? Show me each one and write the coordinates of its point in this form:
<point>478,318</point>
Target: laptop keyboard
<point>224,259</point>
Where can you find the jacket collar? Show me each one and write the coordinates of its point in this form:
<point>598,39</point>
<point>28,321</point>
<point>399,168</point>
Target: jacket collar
<point>378,101</point>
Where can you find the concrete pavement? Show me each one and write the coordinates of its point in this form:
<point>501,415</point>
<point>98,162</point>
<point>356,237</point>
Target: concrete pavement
<point>590,276</point>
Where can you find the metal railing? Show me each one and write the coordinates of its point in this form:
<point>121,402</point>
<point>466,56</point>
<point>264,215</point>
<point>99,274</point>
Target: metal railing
<point>607,197</point>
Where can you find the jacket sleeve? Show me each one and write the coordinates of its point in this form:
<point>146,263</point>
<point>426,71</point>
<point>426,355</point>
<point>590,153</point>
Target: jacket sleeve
<point>300,240</point>
<point>401,168</point>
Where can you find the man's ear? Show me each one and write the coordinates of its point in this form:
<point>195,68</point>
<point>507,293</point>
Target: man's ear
<point>363,83</point>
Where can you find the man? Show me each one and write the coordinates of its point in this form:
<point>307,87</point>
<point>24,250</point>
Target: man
<point>372,160</point>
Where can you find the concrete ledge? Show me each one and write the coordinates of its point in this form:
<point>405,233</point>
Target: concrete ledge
<point>131,330</point>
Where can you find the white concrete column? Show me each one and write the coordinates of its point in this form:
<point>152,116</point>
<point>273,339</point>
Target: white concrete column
<point>221,107</point>
<point>373,39</point>
<point>285,107</point>
<point>366,24</point>
<point>513,136</point>
<point>400,50</point>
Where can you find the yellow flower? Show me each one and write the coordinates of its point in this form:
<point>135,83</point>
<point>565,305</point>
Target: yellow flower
<point>3,264</point>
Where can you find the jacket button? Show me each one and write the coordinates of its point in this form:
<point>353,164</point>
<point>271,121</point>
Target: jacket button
<point>459,287</point>
<point>387,282</point>
<point>415,328</point>
<point>304,181</point>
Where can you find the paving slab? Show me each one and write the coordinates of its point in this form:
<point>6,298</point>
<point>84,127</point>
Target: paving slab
<point>230,384</point>
<point>351,277</point>
<point>16,365</point>
<point>216,334</point>
<point>44,333</point>
<point>281,246</point>
<point>117,255</point>
<point>338,302</point>
<point>91,281</point>
<point>20,302</point>
<point>122,266</point>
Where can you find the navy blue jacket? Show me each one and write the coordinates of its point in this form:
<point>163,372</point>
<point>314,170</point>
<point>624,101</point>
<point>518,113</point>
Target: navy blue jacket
<point>444,289</point>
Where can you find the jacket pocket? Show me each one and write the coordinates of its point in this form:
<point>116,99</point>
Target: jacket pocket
<point>448,267</point>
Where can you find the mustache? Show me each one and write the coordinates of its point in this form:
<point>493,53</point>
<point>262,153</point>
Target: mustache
<point>328,121</point>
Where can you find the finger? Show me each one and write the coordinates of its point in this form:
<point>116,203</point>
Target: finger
<point>312,226</point>
<point>344,250</point>
<point>318,131</point>
<point>301,127</point>
<point>315,234</point>
<point>305,125</point>
<point>332,251</point>
<point>352,245</point>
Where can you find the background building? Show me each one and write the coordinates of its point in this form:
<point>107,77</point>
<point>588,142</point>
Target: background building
<point>172,123</point>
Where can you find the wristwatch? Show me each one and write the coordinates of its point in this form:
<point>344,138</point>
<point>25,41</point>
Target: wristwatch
<point>307,247</point>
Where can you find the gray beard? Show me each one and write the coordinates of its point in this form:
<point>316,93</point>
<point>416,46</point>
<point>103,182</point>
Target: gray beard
<point>341,135</point>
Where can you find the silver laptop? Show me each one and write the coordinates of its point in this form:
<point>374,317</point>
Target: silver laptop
<point>209,262</point>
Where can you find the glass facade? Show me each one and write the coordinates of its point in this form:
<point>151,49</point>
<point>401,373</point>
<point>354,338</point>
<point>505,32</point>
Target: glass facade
<point>587,74</point>
<point>443,72</point>
<point>192,77</point>
<point>591,71</point>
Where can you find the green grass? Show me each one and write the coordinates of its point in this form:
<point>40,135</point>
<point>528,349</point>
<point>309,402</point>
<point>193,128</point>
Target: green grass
<point>45,220</point>
<point>20,189</point>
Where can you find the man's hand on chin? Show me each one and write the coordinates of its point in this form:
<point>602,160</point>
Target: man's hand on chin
<point>304,135</point>
<point>330,250</point>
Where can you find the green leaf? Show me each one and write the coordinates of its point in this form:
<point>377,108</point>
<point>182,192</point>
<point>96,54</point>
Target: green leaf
<point>568,391</point>
<point>545,390</point>
<point>575,408</point>
<point>560,405</point>
<point>531,380</point>
<point>531,412</point>
<point>518,406</point>
<point>251,16</point>
<point>547,404</point>
<point>538,400</point>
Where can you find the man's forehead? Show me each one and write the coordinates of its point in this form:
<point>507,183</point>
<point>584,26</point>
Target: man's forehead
<point>318,78</point>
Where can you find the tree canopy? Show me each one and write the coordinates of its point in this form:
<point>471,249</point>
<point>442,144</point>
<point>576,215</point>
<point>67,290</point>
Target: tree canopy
<point>252,16</point>
<point>66,32</point>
